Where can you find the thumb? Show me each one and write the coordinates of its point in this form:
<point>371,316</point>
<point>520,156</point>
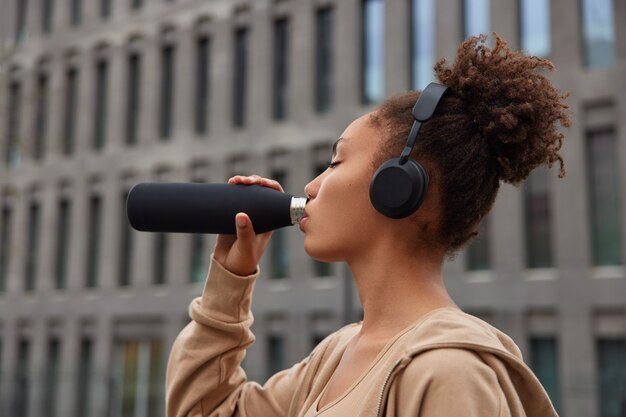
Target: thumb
<point>245,232</point>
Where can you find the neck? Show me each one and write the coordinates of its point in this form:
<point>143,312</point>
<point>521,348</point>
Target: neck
<point>397,289</point>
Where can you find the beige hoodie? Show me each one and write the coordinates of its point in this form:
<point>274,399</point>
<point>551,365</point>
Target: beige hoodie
<point>447,364</point>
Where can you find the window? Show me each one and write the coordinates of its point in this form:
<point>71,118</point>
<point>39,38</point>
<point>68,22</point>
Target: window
<point>125,247</point>
<point>32,252</point>
<point>598,33</point>
<point>5,246</point>
<point>538,219</point>
<point>475,17</point>
<point>13,151</point>
<point>422,43</point>
<point>100,105</point>
<point>93,242</point>
<point>197,268</point>
<point>240,65</point>
<point>105,8</point>
<point>275,354</point>
<point>477,253</point>
<point>279,249</point>
<point>604,193</point>
<point>62,244</point>
<point>76,12</point>
<point>323,59</point>
<point>611,376</point>
<point>167,91</point>
<point>71,101</point>
<point>203,66</point>
<point>160,258</point>
<point>136,4</point>
<point>138,381</point>
<point>535,27</point>
<point>133,95</point>
<point>41,116</point>
<point>21,20</point>
<point>52,378</point>
<point>47,11</point>
<point>372,88</point>
<point>22,381</point>
<point>544,363</point>
<point>281,69</point>
<point>85,371</point>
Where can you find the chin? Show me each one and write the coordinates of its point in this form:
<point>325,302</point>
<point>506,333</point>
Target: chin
<point>322,253</point>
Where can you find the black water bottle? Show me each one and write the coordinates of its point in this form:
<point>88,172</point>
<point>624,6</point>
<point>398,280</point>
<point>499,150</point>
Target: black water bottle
<point>209,208</point>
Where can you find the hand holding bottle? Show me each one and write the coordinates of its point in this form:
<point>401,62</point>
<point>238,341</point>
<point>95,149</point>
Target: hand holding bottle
<point>240,253</point>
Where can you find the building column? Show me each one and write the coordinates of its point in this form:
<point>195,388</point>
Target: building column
<point>101,394</point>
<point>8,365</point>
<point>221,96</point>
<point>70,362</point>
<point>78,236</point>
<point>398,54</point>
<point>347,37</point>
<point>48,235</point>
<point>37,374</point>
<point>18,244</point>
<point>259,72</point>
<point>301,64</point>
<point>184,85</point>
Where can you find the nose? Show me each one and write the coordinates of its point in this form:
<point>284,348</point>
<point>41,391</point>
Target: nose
<point>310,190</point>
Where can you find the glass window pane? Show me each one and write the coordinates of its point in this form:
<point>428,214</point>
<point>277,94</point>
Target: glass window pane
<point>100,107</point>
<point>323,59</point>
<point>105,8</point>
<point>21,20</point>
<point>32,252</point>
<point>604,193</point>
<point>535,27</point>
<point>612,377</point>
<point>93,242</point>
<point>167,92</point>
<point>12,150</point>
<point>41,116</point>
<point>71,101</point>
<point>5,246</point>
<point>373,51</point>
<point>160,258</point>
<point>279,250</point>
<point>275,354</point>
<point>130,352</point>
<point>19,406</point>
<point>203,48</point>
<point>281,69</point>
<point>85,369</point>
<point>598,33</point>
<point>62,245</point>
<point>156,378</point>
<point>478,256</point>
<point>76,11</point>
<point>476,17</point>
<point>239,77</point>
<point>422,43</point>
<point>544,363</point>
<point>46,16</point>
<point>52,378</point>
<point>538,220</point>
<point>197,268</point>
<point>133,95</point>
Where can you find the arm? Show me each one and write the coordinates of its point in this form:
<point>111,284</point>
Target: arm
<point>204,376</point>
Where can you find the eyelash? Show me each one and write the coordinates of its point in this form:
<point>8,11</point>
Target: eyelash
<point>333,164</point>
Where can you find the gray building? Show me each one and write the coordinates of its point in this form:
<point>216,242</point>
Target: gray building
<point>98,95</point>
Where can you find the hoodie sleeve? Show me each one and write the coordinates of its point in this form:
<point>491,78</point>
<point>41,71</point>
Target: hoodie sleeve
<point>204,376</point>
<point>448,382</point>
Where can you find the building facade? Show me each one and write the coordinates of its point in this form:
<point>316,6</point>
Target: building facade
<point>96,96</point>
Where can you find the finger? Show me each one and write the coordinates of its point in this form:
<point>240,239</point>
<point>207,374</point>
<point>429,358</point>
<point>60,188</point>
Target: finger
<point>245,231</point>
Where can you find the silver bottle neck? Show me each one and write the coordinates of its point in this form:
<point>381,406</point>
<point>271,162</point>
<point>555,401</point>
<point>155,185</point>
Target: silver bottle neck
<point>296,209</point>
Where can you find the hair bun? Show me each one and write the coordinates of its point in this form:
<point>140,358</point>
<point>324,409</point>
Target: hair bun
<point>514,107</point>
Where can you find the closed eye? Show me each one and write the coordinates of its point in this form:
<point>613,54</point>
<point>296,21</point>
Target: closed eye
<point>333,164</point>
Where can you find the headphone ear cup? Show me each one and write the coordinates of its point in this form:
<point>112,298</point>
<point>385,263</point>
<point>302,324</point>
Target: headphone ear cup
<point>397,191</point>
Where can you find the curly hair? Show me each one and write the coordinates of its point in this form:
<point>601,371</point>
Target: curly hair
<point>498,121</point>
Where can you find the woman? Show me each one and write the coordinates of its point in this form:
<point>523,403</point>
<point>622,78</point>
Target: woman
<point>415,353</point>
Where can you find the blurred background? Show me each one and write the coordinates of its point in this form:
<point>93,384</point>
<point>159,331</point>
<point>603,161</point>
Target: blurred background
<point>97,95</point>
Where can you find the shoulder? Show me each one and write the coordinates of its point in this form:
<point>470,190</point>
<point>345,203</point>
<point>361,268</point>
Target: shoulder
<point>448,381</point>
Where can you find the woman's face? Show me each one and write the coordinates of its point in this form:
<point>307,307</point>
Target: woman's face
<point>340,220</point>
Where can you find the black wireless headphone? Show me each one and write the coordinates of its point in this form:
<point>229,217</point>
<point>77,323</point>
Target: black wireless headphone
<point>399,185</point>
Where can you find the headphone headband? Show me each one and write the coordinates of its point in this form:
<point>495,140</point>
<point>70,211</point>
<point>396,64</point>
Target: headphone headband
<point>423,110</point>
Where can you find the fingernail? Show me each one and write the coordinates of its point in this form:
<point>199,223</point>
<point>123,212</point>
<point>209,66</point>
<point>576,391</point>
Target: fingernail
<point>241,222</point>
